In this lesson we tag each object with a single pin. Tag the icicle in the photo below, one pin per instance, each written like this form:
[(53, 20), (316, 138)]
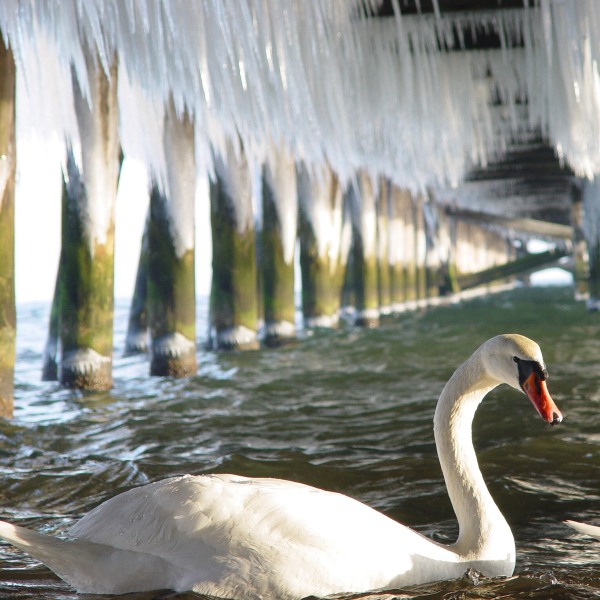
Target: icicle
[(334, 84)]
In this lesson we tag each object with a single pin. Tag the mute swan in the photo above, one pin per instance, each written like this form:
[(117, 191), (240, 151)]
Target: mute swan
[(591, 530), (235, 537)]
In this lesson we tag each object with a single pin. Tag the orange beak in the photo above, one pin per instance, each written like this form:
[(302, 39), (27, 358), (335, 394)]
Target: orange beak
[(537, 392)]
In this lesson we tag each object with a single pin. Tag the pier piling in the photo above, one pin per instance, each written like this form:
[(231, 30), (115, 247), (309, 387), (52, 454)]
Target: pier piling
[(233, 296), (136, 340), (325, 235), (362, 202), (8, 161), (171, 291), (278, 241), (89, 193)]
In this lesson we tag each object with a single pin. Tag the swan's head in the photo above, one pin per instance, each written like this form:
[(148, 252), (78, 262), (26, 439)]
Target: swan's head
[(518, 361)]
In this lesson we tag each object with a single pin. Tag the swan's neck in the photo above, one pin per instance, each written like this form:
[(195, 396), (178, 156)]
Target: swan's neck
[(482, 528)]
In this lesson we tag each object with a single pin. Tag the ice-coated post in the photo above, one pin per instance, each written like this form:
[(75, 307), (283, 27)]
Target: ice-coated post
[(581, 257), (8, 162), (446, 243), (136, 340), (433, 250), (384, 266), (50, 356), (398, 198), (325, 235), (233, 296), (87, 276), (420, 246), (591, 230), (410, 250), (171, 285), (278, 241), (361, 198)]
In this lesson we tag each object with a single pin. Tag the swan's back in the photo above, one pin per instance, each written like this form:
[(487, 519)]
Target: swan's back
[(227, 535)]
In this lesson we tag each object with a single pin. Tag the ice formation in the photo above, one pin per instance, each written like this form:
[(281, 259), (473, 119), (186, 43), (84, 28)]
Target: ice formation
[(181, 180), (280, 176), (391, 96)]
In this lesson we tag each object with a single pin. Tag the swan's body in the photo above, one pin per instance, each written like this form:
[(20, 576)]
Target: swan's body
[(235, 537), (591, 530)]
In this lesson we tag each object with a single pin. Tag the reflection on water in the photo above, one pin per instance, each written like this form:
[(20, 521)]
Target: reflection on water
[(349, 411)]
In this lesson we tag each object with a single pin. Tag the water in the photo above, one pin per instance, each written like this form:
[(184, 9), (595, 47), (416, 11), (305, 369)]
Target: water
[(349, 411)]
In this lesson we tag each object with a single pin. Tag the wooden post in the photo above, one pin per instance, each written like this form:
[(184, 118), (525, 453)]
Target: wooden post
[(384, 265), (324, 235), (465, 254), (278, 242), (171, 287), (233, 297), (136, 340), (8, 162), (420, 246), (433, 262), (447, 245), (411, 284), (361, 198), (89, 193), (589, 219), (581, 258), (397, 247), (50, 357)]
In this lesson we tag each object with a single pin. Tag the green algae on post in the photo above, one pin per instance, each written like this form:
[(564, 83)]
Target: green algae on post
[(233, 296), (362, 203), (87, 276), (171, 285), (8, 159), (325, 236), (396, 249), (384, 267), (278, 244)]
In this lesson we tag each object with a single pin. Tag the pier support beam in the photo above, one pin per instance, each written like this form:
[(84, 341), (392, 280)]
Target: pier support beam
[(398, 200), (361, 198), (518, 266), (384, 265), (446, 248), (171, 286), (591, 231), (433, 262), (89, 193), (8, 162), (581, 258), (411, 277), (233, 297), (420, 246), (136, 340), (278, 241), (50, 356), (325, 238)]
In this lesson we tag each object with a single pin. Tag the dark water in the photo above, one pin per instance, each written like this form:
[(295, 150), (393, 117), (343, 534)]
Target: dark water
[(349, 411)]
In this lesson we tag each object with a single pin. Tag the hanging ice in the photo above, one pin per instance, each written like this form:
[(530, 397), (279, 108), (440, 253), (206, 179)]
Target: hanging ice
[(392, 96)]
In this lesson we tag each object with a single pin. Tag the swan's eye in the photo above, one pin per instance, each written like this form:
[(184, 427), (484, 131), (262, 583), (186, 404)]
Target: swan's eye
[(527, 367)]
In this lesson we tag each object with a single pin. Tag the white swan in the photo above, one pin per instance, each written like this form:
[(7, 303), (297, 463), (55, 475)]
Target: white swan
[(235, 537), (591, 530)]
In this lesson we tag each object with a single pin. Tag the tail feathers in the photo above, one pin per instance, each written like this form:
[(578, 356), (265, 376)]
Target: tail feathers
[(584, 528), (89, 567)]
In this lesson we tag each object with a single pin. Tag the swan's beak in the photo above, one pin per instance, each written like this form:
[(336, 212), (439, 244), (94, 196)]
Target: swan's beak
[(535, 388)]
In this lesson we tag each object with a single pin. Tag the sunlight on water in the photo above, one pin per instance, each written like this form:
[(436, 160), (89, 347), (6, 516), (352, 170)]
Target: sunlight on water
[(348, 410)]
